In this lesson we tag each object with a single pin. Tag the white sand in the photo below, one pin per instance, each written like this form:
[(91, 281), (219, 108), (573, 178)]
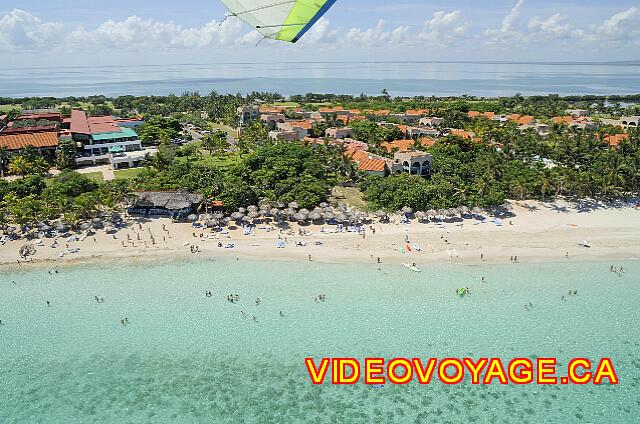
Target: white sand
[(538, 232)]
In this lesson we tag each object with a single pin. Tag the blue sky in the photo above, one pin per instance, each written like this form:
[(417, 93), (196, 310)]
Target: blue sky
[(73, 32)]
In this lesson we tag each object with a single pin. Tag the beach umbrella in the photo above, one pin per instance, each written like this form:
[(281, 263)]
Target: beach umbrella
[(61, 227), (226, 221), (315, 216), (342, 217), (242, 210), (236, 216), (407, 210), (304, 211), (111, 230), (245, 219), (342, 207), (329, 216), (192, 218), (254, 215), (290, 212), (282, 205), (323, 205), (293, 205), (432, 212), (85, 226), (213, 223), (252, 208), (115, 218), (507, 207), (299, 217), (11, 229), (420, 216), (476, 211), (218, 215)]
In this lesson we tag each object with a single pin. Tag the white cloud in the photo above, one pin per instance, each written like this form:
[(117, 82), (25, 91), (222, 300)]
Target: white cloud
[(514, 14), (376, 36), (22, 30), (555, 25), (148, 33), (507, 33), (621, 27), (321, 32), (443, 28)]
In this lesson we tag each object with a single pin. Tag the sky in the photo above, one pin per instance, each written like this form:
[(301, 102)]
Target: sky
[(62, 33)]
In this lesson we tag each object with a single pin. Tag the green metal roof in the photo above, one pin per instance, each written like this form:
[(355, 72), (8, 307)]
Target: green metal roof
[(125, 133)]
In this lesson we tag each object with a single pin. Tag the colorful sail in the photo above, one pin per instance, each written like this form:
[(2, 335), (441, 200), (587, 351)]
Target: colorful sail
[(284, 20)]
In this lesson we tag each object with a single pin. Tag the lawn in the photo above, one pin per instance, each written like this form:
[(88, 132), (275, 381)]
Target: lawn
[(95, 176), (7, 108), (352, 196), (128, 173)]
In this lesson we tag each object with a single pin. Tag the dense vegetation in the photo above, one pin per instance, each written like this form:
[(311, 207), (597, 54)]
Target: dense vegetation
[(508, 163), (567, 163)]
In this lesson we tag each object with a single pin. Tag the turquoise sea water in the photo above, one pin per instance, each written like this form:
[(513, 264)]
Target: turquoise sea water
[(399, 78), (186, 358)]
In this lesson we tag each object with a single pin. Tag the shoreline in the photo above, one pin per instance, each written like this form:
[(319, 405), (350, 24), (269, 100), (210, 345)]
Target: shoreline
[(537, 233)]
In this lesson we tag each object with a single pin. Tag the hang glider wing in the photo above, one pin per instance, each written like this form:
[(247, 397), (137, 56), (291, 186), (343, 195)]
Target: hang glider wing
[(284, 20)]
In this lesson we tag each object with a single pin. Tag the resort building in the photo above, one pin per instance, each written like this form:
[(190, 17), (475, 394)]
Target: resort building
[(412, 162), (576, 113), (175, 204), (248, 114), (630, 121), (99, 136), (280, 135), (272, 119), (339, 133), (301, 128), (46, 142), (431, 122)]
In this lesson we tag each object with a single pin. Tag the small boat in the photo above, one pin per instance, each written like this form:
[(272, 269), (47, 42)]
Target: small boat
[(585, 244), (412, 267)]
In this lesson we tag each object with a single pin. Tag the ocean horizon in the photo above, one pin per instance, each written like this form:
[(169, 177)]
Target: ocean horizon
[(188, 358), (488, 79)]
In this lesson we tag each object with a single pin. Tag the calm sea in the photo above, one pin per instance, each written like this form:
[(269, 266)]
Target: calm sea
[(186, 358), (404, 79)]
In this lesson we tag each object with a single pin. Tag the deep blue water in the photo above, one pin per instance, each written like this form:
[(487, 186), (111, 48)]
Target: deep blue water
[(406, 79)]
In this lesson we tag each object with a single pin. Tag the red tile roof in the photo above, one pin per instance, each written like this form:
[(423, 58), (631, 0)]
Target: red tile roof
[(372, 165), (81, 124), (614, 140), (20, 141)]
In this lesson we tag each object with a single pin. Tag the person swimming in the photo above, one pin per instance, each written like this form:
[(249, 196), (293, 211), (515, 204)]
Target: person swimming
[(48, 303), (281, 314)]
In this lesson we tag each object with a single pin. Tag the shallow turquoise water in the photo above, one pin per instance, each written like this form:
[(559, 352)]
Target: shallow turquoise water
[(185, 358)]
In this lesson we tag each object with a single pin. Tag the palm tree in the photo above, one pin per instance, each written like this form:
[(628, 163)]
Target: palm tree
[(19, 165)]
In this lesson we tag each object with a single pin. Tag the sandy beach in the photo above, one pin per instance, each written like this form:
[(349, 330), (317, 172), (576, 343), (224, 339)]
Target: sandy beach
[(537, 232)]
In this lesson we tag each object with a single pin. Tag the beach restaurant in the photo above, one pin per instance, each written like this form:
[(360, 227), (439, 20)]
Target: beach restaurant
[(175, 204)]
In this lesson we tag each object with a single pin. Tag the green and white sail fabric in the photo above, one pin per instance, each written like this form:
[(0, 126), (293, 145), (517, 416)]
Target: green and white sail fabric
[(280, 19)]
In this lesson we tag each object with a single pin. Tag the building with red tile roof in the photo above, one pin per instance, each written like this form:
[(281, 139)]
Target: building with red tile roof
[(614, 140), (43, 141)]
